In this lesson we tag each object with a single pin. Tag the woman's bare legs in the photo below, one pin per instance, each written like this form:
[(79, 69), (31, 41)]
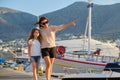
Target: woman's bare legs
[(52, 61), (48, 67)]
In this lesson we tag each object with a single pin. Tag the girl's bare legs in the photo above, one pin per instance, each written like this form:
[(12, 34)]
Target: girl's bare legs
[(37, 67), (48, 67), (34, 67)]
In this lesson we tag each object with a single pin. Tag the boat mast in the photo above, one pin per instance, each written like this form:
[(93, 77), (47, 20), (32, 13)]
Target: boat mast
[(89, 26)]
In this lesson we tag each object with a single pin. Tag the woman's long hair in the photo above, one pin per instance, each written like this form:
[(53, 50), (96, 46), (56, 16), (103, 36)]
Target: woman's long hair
[(40, 20), (31, 35)]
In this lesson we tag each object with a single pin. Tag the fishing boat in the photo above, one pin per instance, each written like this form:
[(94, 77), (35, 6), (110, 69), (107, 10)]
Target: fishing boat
[(86, 59)]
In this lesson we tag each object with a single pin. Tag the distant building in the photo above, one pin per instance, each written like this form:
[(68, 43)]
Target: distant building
[(73, 37)]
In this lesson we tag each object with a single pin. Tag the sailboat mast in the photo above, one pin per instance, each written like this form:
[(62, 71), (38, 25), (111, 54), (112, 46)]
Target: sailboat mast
[(89, 26)]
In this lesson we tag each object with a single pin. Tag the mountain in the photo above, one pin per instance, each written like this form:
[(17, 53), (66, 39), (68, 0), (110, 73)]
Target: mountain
[(15, 24), (105, 21)]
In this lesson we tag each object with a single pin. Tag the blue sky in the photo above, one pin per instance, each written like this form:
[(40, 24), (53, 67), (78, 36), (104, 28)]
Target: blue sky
[(38, 7)]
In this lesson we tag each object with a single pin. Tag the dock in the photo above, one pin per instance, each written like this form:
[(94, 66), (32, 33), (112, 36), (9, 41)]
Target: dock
[(10, 74)]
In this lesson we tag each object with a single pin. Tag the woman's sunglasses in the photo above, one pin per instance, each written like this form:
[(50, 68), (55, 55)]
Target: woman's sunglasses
[(44, 23)]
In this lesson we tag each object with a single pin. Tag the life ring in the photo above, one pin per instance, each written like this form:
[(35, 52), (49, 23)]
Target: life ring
[(60, 50)]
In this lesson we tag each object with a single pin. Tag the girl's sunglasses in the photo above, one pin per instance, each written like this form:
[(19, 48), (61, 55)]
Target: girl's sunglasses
[(44, 23)]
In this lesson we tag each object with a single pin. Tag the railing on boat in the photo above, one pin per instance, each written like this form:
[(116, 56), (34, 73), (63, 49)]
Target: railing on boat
[(96, 58)]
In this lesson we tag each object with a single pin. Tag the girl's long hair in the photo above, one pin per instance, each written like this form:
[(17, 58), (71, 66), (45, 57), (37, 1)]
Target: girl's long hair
[(31, 36)]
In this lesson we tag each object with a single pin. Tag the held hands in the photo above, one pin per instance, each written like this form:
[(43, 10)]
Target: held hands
[(31, 59)]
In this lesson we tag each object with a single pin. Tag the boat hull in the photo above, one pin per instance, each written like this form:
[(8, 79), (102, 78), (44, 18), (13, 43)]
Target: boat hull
[(70, 63)]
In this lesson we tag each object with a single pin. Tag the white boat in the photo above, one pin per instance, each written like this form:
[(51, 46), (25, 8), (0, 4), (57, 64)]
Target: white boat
[(74, 58)]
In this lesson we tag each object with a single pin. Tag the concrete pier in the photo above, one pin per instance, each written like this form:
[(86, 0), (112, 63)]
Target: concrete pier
[(10, 74)]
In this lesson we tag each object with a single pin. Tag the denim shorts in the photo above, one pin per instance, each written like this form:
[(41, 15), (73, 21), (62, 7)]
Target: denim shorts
[(36, 58)]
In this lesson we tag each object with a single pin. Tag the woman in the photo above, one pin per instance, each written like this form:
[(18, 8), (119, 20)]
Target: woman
[(48, 47), (34, 52)]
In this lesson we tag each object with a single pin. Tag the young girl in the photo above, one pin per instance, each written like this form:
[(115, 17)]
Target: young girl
[(34, 50)]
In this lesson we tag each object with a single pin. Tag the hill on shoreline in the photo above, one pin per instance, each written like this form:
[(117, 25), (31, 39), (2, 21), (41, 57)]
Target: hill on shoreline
[(16, 24)]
